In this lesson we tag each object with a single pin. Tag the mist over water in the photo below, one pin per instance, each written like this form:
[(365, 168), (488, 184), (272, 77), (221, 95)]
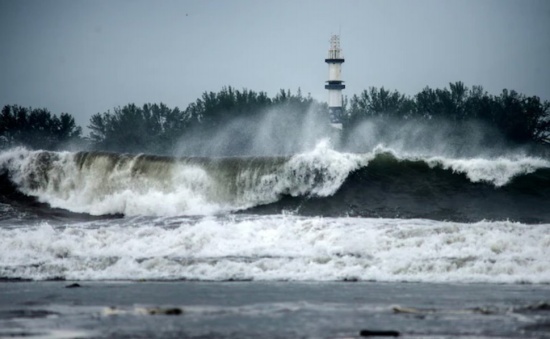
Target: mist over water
[(285, 161), (438, 137), (272, 132), (282, 131), (284, 197)]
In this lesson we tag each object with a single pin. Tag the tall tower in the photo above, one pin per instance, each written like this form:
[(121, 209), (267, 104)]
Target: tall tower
[(335, 84)]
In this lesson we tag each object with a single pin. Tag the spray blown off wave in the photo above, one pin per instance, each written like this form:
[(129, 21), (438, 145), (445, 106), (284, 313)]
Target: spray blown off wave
[(322, 182), (278, 248), (106, 183)]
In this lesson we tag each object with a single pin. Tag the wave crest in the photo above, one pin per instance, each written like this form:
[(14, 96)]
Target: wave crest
[(323, 181)]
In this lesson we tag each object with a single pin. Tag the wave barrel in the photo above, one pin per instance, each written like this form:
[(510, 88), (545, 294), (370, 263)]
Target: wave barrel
[(335, 85)]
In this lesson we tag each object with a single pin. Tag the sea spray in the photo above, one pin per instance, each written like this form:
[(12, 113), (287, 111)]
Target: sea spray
[(323, 181), (107, 183)]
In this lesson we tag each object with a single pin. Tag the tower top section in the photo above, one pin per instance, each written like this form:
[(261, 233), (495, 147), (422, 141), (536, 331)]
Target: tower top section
[(335, 53)]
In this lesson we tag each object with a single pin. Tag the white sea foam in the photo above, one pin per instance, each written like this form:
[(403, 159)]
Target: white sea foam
[(111, 184), (279, 248), (320, 172), (498, 171), (107, 186)]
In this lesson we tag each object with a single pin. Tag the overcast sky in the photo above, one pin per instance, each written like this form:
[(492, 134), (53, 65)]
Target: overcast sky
[(84, 57)]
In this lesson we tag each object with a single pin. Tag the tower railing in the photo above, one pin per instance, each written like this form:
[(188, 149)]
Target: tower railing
[(335, 52)]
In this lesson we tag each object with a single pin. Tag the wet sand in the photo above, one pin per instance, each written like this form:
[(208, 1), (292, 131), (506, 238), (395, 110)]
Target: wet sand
[(182, 309)]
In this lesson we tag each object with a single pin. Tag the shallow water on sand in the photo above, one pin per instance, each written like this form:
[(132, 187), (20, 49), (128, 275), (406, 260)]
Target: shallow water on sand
[(272, 309)]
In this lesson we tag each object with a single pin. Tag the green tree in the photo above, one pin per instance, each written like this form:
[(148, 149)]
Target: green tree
[(151, 128), (37, 128), (379, 103), (522, 118)]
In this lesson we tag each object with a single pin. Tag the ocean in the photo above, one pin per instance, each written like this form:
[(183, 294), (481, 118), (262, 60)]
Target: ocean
[(313, 244)]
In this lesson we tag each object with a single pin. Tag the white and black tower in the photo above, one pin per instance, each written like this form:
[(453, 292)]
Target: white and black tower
[(335, 85)]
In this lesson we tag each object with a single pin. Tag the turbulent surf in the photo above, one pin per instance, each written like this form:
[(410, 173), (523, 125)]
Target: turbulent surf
[(322, 182), (318, 215)]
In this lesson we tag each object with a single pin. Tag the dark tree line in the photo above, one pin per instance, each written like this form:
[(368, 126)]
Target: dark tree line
[(36, 128), (150, 128), (214, 110), (156, 128), (521, 119)]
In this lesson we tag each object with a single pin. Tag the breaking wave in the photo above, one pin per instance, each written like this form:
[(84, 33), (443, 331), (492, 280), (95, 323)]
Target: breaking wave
[(323, 182)]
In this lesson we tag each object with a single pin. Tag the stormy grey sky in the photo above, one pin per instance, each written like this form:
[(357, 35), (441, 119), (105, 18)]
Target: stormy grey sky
[(84, 57)]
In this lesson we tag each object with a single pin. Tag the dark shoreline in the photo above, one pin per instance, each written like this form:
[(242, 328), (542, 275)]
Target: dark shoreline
[(108, 309), (236, 281)]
